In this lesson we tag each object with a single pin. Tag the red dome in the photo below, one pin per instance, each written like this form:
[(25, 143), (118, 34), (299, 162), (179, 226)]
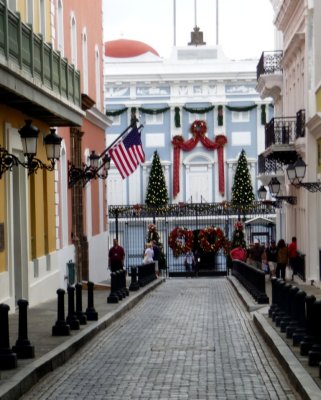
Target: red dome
[(125, 48)]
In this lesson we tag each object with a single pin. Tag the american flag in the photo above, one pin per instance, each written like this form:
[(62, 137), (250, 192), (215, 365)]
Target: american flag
[(128, 153)]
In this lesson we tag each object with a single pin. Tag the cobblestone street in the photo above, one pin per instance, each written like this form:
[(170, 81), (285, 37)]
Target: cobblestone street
[(189, 339)]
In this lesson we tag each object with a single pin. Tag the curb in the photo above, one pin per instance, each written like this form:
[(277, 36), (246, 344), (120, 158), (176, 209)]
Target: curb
[(21, 382), (299, 377)]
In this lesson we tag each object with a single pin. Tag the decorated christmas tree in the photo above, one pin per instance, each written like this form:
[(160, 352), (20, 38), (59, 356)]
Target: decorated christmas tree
[(242, 190), (157, 194)]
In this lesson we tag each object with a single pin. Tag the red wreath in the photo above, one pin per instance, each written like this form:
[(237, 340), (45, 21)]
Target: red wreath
[(181, 241), (188, 145), (199, 127), (212, 239)]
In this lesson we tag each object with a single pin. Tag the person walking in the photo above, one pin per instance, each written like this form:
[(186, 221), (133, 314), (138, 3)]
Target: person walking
[(256, 253), (282, 259), (116, 257), (156, 256), (271, 257), (293, 256), (189, 263)]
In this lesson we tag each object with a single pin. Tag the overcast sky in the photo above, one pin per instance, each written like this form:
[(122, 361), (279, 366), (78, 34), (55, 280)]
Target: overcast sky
[(245, 26)]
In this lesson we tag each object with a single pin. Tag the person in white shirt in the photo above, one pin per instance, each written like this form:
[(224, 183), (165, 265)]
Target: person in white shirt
[(189, 262), (149, 254)]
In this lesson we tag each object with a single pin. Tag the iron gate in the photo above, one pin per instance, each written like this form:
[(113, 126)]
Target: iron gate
[(129, 224)]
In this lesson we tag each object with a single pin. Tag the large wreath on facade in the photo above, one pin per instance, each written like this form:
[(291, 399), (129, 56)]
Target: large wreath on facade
[(212, 239), (181, 241), (199, 127)]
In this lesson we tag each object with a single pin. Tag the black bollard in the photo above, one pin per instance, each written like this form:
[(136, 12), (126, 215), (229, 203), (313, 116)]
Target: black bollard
[(61, 328), (124, 289), (306, 339), (8, 359), (81, 316), (113, 296), (133, 283), (72, 319), (91, 313), (23, 348)]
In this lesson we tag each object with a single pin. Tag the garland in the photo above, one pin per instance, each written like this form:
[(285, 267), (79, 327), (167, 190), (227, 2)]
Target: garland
[(181, 241), (263, 114), (153, 111), (198, 110), (177, 118), (188, 145), (241, 109), (116, 112), (212, 239), (220, 115)]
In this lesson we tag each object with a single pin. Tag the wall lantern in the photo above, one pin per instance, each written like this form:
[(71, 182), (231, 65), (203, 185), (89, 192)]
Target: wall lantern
[(29, 138), (274, 187), (296, 173), (97, 169)]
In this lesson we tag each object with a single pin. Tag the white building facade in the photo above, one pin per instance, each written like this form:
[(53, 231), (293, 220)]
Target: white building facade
[(196, 83)]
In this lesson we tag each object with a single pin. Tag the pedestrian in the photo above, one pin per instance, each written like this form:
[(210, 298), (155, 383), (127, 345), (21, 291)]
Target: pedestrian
[(271, 257), (116, 257), (149, 253), (189, 263), (256, 253), (156, 256), (282, 259), (293, 256), (238, 253)]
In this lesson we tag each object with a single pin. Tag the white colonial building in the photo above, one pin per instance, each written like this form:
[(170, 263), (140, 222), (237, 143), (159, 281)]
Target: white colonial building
[(196, 82)]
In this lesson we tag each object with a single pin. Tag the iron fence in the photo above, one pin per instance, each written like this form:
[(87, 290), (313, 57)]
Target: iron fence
[(129, 224)]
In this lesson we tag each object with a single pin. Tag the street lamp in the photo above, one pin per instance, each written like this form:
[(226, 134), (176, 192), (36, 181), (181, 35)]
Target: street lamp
[(97, 169), (29, 138), (274, 187), (296, 173)]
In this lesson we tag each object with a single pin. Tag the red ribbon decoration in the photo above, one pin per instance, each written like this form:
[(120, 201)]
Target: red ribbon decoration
[(188, 145)]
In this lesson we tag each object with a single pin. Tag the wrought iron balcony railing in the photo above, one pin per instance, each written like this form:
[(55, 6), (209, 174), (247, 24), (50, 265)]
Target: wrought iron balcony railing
[(300, 124), (268, 166), (280, 130), (269, 63), (285, 130), (19, 45)]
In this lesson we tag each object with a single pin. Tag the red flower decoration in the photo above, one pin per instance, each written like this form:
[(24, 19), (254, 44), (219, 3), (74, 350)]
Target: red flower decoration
[(180, 241), (212, 239), (199, 127)]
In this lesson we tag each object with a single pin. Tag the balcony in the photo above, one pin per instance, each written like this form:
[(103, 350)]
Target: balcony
[(281, 134), (269, 74), (34, 78)]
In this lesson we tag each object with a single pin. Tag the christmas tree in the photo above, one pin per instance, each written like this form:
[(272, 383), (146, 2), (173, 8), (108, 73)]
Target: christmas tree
[(157, 194), (242, 190)]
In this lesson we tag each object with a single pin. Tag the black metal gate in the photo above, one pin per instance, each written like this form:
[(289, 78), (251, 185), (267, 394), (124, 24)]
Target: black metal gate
[(129, 224)]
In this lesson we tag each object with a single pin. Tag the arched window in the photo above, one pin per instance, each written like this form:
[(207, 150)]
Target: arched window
[(73, 40), (84, 61), (60, 27), (97, 75)]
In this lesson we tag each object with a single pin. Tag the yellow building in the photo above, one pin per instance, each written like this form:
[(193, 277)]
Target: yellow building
[(36, 84)]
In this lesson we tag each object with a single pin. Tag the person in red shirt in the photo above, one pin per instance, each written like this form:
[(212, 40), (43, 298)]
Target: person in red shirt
[(293, 255), (116, 257), (238, 253)]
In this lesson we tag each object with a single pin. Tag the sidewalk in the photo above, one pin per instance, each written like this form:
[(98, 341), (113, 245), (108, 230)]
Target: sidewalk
[(53, 351), (305, 378)]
